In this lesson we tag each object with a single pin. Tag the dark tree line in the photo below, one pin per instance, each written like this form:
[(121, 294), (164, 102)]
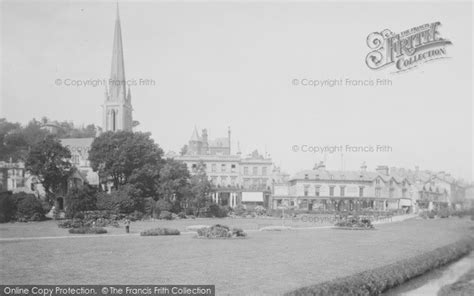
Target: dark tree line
[(131, 161)]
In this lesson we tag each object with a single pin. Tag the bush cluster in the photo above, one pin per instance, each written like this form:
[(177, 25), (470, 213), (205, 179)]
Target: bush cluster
[(160, 231), (165, 215), (20, 207), (88, 230), (379, 280), (356, 223), (220, 231)]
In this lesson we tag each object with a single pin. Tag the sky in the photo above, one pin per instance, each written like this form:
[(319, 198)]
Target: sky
[(234, 64)]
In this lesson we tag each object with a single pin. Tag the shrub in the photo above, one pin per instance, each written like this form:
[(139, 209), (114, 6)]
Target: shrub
[(126, 200), (220, 231), (7, 207), (27, 205), (239, 210), (160, 206), (217, 211), (260, 210), (165, 215), (88, 230), (80, 199), (135, 216), (238, 232), (182, 215), (355, 223), (105, 202), (75, 223), (444, 213), (379, 280), (424, 215), (160, 231), (431, 214)]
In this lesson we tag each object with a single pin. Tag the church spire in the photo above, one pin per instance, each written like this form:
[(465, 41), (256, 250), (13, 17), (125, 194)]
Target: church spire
[(117, 108), (117, 85)]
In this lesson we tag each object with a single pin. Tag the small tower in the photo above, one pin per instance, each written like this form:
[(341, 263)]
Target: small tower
[(228, 132)]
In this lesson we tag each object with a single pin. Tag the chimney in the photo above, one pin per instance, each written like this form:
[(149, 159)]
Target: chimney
[(363, 167), (382, 169)]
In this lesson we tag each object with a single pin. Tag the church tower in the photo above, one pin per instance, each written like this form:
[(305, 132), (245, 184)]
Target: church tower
[(117, 108)]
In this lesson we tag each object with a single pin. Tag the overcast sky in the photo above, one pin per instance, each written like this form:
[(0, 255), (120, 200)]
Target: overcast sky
[(233, 64)]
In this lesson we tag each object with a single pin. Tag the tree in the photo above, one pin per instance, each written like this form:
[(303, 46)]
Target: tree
[(8, 140), (200, 189), (49, 160), (80, 199), (127, 157), (173, 183), (184, 150)]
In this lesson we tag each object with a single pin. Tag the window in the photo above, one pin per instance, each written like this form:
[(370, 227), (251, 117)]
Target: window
[(306, 190), (377, 192), (404, 193), (255, 171), (361, 191), (264, 171), (213, 167), (331, 191), (316, 189), (343, 190), (233, 180), (232, 168), (246, 170), (223, 167), (194, 166), (223, 180), (391, 192), (306, 176), (377, 181)]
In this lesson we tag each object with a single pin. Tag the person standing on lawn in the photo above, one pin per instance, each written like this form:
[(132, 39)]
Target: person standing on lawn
[(127, 226)]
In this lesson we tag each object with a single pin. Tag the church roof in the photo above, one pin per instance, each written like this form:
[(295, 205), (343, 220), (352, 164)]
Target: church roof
[(195, 135), (117, 89)]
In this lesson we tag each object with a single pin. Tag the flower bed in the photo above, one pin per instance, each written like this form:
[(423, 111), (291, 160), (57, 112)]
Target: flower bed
[(88, 230), (220, 231), (160, 231), (355, 223), (379, 280)]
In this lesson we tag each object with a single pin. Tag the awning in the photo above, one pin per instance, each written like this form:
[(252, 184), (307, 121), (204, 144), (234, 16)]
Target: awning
[(405, 202), (252, 196)]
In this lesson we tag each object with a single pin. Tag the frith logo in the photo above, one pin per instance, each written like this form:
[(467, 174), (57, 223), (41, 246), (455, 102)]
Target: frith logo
[(407, 49)]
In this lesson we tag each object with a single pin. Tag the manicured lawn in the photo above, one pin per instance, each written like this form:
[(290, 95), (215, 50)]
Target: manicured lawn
[(266, 263)]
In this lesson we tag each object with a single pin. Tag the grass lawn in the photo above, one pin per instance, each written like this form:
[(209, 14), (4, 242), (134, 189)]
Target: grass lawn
[(266, 263)]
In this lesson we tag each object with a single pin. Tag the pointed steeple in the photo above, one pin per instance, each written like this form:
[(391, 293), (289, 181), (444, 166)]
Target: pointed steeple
[(195, 135), (117, 87), (117, 108)]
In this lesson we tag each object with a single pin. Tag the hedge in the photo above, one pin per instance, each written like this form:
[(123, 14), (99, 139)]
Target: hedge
[(379, 280), (160, 231), (88, 230), (220, 231)]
